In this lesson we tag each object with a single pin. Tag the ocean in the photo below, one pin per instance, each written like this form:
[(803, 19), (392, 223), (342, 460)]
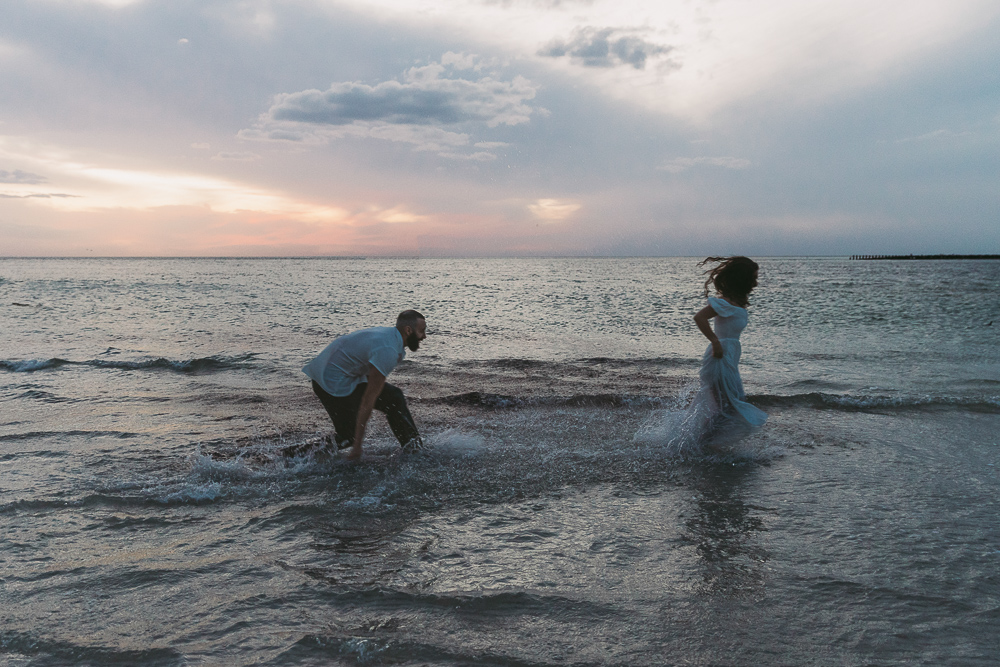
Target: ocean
[(146, 517)]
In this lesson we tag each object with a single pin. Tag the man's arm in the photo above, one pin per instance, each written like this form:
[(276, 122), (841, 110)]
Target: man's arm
[(376, 381)]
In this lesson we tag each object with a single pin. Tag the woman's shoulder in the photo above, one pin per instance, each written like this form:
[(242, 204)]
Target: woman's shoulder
[(723, 307)]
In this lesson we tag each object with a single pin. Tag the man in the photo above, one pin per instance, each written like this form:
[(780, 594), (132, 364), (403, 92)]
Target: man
[(349, 379)]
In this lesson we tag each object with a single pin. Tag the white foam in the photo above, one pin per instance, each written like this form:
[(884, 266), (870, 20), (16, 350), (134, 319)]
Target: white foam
[(455, 442), (374, 498), (693, 434), (675, 433), (235, 468), (195, 493), (209, 479), (29, 365), (365, 649)]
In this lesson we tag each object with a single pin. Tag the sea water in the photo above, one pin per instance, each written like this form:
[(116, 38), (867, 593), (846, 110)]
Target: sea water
[(146, 517)]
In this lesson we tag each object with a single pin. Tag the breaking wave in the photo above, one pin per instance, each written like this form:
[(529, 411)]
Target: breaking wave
[(199, 365), (506, 401), (860, 403), (604, 362), (815, 400)]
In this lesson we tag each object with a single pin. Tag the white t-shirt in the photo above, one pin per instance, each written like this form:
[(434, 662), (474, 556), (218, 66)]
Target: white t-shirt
[(343, 365)]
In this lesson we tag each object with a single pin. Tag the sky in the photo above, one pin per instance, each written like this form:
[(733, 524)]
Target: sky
[(499, 127)]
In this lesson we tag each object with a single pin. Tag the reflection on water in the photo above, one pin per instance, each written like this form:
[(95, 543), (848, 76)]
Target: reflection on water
[(723, 530), (351, 555)]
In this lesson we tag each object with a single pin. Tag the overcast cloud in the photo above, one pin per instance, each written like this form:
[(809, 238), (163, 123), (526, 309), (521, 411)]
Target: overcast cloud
[(605, 47), (20, 177), (424, 98), (416, 110), (430, 127), (679, 164)]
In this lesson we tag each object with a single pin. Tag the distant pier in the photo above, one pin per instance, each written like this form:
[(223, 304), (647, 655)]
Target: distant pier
[(925, 256)]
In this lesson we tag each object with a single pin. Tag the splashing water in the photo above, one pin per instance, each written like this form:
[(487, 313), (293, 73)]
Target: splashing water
[(700, 431), (455, 442)]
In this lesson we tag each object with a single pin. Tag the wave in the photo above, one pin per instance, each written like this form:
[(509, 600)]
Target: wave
[(35, 505), (52, 651), (604, 362), (816, 400), (823, 401), (186, 494), (45, 396), (199, 365), (29, 365), (38, 435), (504, 401), (503, 601)]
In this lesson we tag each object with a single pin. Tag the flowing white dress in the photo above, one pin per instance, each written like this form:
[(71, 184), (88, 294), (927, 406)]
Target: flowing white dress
[(721, 394), (719, 413)]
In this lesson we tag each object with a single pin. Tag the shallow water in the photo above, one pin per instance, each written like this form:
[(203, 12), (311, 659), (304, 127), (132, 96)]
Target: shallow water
[(146, 520)]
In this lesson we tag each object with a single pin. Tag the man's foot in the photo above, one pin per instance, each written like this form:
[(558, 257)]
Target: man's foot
[(414, 445)]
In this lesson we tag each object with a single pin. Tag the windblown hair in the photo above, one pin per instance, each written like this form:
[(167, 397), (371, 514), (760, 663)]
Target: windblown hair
[(732, 277), (409, 318)]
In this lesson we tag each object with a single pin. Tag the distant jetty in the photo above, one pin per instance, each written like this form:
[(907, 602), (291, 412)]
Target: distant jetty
[(925, 256)]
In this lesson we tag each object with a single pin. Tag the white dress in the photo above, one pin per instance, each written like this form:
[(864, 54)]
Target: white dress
[(721, 394), (719, 412)]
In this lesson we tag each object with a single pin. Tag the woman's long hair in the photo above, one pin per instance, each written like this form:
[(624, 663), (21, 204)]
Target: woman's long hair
[(733, 277)]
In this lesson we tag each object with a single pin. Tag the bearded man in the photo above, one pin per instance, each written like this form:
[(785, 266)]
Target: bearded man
[(349, 379)]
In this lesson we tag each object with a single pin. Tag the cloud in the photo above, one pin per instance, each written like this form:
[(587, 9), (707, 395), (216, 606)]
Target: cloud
[(479, 156), (115, 3), (540, 4), (201, 231), (679, 164), (416, 110), (422, 137), (936, 134), (795, 84), (38, 195), (424, 99), (237, 157), (21, 177), (553, 210), (399, 215), (461, 60), (605, 47), (87, 186)]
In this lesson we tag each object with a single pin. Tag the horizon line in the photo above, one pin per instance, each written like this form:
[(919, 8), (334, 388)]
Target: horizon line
[(365, 257)]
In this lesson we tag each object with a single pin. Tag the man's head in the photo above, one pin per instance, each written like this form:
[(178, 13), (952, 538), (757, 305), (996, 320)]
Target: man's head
[(412, 327)]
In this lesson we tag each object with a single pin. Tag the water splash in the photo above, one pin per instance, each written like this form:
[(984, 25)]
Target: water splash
[(700, 431), (455, 442)]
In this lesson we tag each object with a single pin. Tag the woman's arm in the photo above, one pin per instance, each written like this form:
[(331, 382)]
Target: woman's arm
[(701, 318)]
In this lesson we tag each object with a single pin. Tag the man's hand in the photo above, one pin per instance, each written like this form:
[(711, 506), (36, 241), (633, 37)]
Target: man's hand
[(376, 381)]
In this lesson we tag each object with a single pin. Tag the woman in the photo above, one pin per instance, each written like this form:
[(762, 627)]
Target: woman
[(721, 394)]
